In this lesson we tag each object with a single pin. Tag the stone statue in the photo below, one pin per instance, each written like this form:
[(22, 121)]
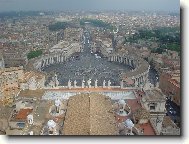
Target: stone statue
[(104, 84), (157, 85), (57, 83), (121, 84), (83, 83), (56, 80), (69, 84), (75, 83), (109, 83), (136, 85), (89, 83), (30, 119), (96, 81), (51, 84)]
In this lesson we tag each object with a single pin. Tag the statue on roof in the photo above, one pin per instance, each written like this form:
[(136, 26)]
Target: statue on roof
[(83, 83), (121, 84), (69, 84), (104, 84), (75, 83), (56, 80), (89, 83), (109, 83), (96, 81)]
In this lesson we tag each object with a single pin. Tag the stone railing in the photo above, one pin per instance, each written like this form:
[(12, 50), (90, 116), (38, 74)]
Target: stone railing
[(87, 84), (58, 94)]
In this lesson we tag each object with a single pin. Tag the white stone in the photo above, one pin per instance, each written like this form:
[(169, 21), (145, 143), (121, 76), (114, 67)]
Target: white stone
[(129, 124), (51, 124)]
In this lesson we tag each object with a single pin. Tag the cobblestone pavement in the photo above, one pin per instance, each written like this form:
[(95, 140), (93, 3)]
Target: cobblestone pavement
[(153, 76), (86, 66)]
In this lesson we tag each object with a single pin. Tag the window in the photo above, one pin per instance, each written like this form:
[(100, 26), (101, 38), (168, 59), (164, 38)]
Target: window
[(152, 107), (21, 124)]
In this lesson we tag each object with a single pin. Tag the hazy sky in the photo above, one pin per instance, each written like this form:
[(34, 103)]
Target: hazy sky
[(154, 5)]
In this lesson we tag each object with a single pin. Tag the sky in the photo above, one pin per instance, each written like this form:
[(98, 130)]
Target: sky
[(133, 5)]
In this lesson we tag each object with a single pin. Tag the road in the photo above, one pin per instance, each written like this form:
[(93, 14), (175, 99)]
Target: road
[(173, 111), (153, 76)]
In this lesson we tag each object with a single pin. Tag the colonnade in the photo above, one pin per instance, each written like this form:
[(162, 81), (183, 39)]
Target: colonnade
[(140, 79), (53, 59), (123, 59), (140, 71)]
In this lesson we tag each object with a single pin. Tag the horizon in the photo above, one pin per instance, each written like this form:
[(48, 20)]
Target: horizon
[(90, 5)]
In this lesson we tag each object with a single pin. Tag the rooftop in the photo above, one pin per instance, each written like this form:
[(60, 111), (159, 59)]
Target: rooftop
[(102, 121), (28, 75), (141, 113), (32, 93), (77, 116), (22, 114), (10, 69), (175, 81), (41, 112), (154, 95), (90, 114), (148, 129), (168, 122)]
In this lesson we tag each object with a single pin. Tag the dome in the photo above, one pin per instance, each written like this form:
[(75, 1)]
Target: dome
[(122, 102), (129, 123), (31, 132), (51, 124), (30, 116), (57, 102)]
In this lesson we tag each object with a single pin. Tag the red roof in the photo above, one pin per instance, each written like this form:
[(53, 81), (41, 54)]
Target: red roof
[(23, 113), (133, 104), (148, 129), (175, 82)]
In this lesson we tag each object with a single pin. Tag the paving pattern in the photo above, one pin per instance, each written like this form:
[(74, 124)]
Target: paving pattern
[(53, 95), (153, 76)]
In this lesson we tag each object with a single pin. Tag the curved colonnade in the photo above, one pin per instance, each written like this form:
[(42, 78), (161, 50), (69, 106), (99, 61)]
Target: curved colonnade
[(54, 58), (139, 73)]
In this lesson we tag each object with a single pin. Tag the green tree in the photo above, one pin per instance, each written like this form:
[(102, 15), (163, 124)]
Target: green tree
[(33, 54), (58, 26)]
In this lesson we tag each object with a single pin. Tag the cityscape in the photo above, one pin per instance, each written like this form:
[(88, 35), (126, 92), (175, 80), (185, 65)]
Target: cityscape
[(90, 72)]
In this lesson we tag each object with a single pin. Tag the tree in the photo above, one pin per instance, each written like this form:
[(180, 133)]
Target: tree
[(34, 54), (58, 26)]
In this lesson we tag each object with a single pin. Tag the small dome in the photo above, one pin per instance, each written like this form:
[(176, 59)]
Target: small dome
[(129, 123), (122, 102), (57, 102), (30, 116), (31, 132), (51, 124)]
